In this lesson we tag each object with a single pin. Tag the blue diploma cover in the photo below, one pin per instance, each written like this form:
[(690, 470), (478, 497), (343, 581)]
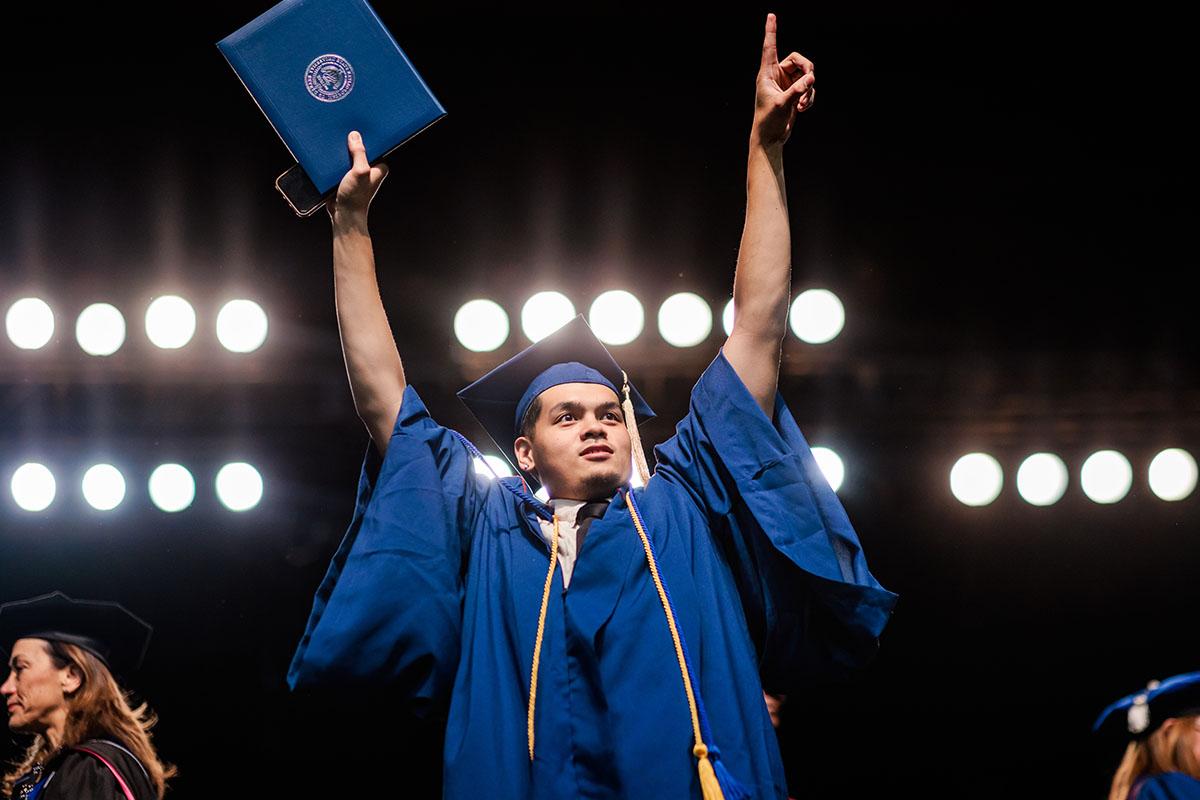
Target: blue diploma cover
[(319, 69)]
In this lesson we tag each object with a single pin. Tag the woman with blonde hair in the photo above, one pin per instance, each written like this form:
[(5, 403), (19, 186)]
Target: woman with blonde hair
[(88, 740), (1162, 723)]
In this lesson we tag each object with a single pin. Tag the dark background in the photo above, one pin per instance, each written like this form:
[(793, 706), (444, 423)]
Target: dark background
[(1003, 200)]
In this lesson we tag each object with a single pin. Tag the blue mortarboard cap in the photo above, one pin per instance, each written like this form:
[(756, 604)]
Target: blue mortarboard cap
[(1139, 714), (572, 354), (107, 630)]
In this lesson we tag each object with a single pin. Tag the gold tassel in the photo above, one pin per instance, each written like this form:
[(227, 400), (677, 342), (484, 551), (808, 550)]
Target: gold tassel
[(710, 787), (635, 439)]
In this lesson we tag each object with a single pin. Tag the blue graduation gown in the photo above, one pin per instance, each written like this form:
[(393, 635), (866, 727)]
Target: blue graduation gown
[(1167, 786), (438, 584)]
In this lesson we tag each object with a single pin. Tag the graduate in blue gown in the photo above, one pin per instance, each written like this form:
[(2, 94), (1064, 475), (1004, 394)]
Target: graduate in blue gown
[(1161, 724), (612, 642)]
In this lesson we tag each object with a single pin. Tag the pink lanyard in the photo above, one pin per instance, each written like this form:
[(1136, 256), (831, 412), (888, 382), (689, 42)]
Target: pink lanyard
[(112, 769)]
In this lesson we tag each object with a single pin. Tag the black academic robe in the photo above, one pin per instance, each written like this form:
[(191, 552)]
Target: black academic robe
[(75, 775)]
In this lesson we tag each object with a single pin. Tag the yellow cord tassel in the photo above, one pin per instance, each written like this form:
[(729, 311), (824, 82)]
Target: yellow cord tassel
[(710, 788), (635, 439), (541, 629)]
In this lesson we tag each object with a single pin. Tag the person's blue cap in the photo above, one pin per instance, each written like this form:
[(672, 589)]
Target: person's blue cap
[(1138, 715), (572, 354), (107, 630)]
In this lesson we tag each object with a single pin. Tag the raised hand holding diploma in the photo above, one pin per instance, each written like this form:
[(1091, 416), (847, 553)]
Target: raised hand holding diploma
[(320, 68), (358, 185)]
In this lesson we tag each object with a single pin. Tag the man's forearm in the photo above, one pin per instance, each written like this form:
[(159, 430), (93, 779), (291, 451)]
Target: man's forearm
[(372, 361), (762, 282)]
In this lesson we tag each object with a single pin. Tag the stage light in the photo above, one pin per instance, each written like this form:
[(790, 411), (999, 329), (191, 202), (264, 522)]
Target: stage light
[(1173, 474), (239, 486), (831, 466), (635, 478), (172, 487), (499, 467), (241, 326), (1042, 479), (1106, 476), (30, 323), (727, 317), (817, 316), (976, 479), (684, 319), (170, 322), (33, 487), (616, 317), (103, 487), (544, 313), (481, 326), (100, 329)]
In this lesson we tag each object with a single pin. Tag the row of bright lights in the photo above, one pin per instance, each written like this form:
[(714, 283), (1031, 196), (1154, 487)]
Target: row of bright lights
[(170, 324), (830, 463), (171, 487), (1105, 477), (975, 480), (617, 317)]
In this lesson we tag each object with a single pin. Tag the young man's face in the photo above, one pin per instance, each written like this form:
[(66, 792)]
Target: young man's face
[(580, 446)]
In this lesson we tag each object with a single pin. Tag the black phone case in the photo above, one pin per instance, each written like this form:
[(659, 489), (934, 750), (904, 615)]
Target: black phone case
[(300, 192)]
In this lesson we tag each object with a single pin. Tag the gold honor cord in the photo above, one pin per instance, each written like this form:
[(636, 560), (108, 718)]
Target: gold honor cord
[(709, 786), (541, 629)]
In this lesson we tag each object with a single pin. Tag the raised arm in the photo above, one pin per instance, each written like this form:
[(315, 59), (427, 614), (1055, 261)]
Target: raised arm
[(372, 361), (762, 283)]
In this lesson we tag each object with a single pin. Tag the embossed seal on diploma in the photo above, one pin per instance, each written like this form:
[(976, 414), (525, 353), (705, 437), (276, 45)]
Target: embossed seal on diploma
[(329, 78)]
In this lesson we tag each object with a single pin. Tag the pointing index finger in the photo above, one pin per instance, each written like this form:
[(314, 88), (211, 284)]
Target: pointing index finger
[(770, 56)]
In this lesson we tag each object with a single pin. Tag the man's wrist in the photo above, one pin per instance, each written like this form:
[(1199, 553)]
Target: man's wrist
[(773, 150), (346, 221), (771, 153)]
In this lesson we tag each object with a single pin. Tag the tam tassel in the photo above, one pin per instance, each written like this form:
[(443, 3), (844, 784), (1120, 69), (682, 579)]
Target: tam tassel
[(635, 438)]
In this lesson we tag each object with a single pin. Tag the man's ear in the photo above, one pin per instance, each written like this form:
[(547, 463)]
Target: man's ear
[(523, 449)]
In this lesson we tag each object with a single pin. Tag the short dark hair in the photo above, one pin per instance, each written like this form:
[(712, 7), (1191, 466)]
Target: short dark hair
[(529, 421)]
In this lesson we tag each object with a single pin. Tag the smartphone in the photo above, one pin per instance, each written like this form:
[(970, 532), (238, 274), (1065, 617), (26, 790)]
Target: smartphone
[(300, 192)]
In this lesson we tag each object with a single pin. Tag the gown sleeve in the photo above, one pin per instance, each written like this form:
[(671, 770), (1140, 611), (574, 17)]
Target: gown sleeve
[(813, 609), (389, 610)]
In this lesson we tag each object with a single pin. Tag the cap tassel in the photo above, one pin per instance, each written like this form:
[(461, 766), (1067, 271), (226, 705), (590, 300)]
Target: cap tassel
[(635, 438)]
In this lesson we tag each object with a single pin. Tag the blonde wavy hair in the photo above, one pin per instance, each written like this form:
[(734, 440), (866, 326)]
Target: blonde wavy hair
[(98, 709), (1171, 748)]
